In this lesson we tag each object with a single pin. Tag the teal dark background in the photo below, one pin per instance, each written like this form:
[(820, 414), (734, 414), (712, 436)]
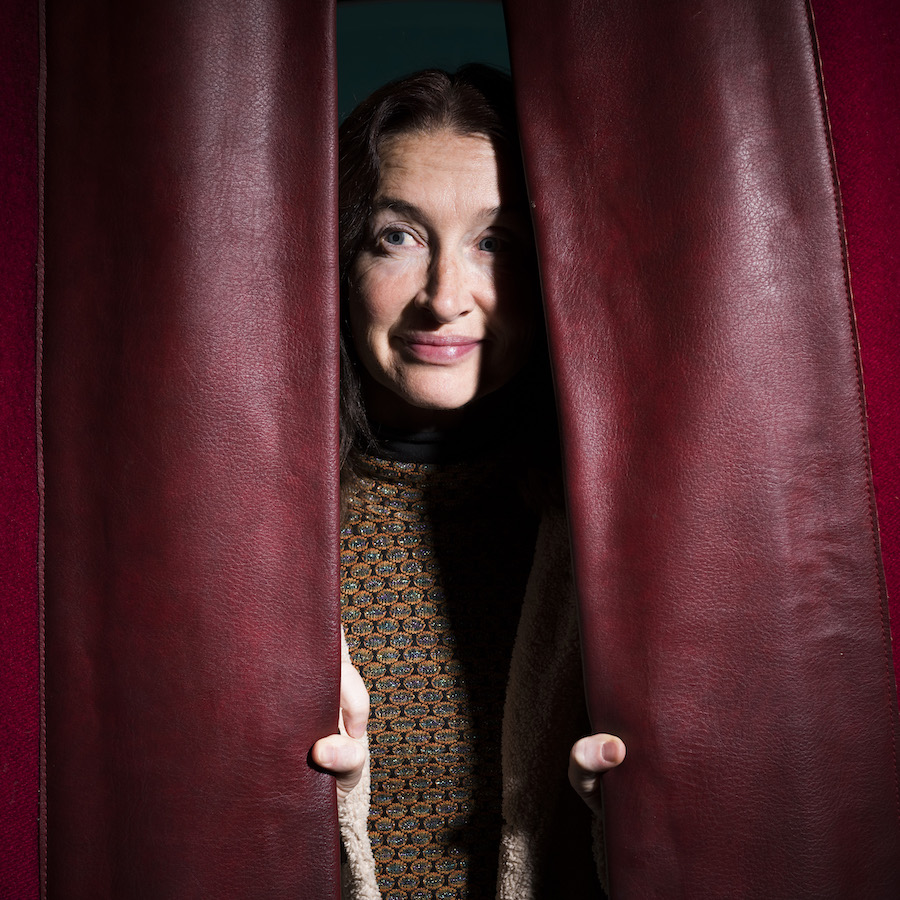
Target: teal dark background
[(380, 41)]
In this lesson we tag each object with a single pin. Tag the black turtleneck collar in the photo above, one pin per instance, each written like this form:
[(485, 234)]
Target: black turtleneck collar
[(485, 430)]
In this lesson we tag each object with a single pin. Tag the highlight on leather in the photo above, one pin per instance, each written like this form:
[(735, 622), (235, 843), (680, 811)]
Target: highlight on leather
[(734, 620)]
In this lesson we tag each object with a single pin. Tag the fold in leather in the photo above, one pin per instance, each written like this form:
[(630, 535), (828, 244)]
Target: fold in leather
[(189, 408), (734, 621)]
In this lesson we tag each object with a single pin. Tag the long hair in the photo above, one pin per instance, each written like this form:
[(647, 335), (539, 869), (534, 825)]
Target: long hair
[(475, 100)]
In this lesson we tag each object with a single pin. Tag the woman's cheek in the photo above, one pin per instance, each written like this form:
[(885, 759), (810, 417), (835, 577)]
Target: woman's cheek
[(387, 288)]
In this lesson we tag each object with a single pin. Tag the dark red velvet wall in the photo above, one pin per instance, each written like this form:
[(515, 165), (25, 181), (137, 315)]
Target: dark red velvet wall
[(19, 66)]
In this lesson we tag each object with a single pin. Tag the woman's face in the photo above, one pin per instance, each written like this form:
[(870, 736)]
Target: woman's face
[(442, 301)]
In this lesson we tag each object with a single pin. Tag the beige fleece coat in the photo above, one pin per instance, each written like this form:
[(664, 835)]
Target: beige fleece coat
[(543, 715)]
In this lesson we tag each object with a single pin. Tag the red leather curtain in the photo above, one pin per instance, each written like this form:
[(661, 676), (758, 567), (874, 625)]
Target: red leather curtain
[(161, 809), (734, 616), (189, 411)]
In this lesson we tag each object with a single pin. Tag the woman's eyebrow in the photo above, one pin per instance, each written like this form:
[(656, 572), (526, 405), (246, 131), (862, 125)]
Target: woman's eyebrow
[(399, 206), (511, 213), (405, 208)]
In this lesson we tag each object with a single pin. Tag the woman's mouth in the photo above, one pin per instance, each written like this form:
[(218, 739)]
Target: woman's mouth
[(438, 349)]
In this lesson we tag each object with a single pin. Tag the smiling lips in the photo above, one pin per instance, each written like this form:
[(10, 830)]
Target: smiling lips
[(438, 349)]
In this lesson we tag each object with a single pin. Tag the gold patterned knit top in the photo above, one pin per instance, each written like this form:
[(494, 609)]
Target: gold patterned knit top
[(434, 561)]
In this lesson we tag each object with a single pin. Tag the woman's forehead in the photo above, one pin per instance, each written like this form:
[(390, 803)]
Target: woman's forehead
[(430, 164), (429, 148)]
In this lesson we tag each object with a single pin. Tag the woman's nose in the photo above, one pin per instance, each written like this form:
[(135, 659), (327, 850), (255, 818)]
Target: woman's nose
[(448, 292)]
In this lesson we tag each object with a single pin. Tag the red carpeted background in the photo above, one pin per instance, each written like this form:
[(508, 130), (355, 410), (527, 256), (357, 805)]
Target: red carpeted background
[(860, 49)]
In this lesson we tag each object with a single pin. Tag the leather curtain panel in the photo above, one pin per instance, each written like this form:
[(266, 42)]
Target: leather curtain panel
[(734, 616), (190, 434)]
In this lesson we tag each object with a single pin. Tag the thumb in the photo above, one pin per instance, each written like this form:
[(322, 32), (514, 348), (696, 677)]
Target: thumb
[(589, 759)]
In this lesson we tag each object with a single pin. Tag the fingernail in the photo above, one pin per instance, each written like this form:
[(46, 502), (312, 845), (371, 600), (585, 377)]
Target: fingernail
[(326, 756), (610, 751)]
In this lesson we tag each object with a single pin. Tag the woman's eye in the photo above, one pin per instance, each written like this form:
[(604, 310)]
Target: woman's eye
[(395, 238), (490, 244)]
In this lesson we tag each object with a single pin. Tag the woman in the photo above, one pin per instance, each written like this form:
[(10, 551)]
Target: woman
[(447, 453)]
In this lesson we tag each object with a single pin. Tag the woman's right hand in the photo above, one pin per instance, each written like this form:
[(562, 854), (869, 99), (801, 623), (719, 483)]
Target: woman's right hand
[(344, 755)]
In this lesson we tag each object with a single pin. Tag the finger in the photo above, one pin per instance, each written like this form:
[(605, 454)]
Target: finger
[(354, 701), (343, 757), (589, 759)]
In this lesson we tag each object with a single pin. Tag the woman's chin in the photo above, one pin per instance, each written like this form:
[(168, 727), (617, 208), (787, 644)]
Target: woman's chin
[(420, 410), (417, 403), (434, 412)]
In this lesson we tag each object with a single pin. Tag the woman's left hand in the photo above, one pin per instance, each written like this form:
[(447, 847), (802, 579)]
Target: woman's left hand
[(589, 759)]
